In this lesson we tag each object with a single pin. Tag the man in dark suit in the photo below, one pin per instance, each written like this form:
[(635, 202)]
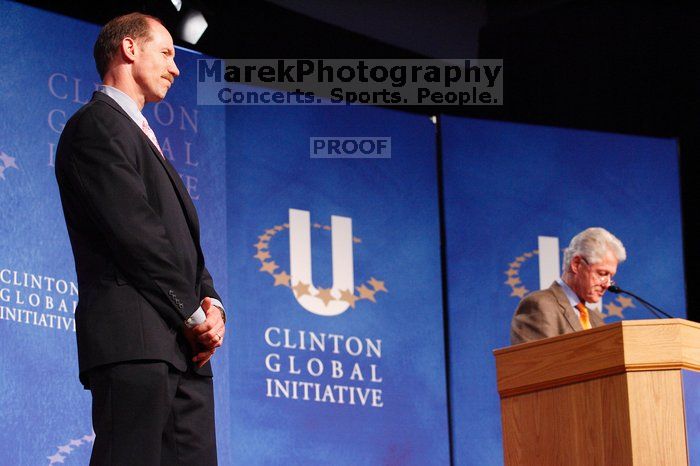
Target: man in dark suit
[(590, 262), (149, 318)]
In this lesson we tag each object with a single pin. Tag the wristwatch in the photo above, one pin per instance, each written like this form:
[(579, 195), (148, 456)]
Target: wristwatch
[(223, 313)]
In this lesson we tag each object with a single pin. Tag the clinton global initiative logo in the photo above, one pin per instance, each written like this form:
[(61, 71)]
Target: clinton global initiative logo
[(6, 162), (314, 297), (521, 273)]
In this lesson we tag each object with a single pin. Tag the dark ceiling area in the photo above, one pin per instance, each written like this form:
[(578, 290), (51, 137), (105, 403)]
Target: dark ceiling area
[(627, 67), (623, 67), (241, 29)]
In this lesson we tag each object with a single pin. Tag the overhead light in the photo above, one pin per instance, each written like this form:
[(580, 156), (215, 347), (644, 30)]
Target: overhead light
[(193, 26), (177, 4)]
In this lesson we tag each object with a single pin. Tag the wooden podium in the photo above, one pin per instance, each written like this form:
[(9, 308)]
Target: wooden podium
[(607, 396)]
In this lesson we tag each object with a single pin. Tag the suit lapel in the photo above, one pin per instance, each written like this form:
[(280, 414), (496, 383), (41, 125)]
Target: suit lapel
[(596, 317), (186, 203), (565, 307), (182, 193)]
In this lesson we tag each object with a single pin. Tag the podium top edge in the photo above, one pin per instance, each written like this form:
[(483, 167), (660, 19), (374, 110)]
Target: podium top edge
[(605, 328)]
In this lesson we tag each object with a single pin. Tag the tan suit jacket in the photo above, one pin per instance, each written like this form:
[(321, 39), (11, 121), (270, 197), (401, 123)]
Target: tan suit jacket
[(547, 313)]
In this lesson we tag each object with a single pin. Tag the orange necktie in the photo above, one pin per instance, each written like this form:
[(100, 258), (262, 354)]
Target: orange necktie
[(583, 316)]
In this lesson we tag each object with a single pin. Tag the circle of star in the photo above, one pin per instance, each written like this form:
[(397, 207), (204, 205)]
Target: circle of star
[(366, 291)]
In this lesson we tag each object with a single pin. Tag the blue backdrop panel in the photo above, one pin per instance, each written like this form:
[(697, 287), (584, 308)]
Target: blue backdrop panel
[(691, 398), (396, 298), (48, 73), (506, 185)]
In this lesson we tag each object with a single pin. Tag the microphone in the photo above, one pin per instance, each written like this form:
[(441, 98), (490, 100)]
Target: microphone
[(653, 309)]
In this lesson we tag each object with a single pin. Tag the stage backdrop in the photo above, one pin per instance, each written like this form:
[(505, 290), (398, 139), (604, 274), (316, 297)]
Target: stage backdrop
[(47, 74), (514, 197), (336, 283), (335, 351)]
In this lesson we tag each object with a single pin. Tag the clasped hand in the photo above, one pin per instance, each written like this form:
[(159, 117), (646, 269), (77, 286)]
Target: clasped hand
[(206, 337)]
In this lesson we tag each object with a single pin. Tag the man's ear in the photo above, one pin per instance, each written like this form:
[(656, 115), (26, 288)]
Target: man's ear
[(128, 49), (575, 264)]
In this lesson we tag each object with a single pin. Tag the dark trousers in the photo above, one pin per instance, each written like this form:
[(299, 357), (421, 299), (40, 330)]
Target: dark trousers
[(148, 413)]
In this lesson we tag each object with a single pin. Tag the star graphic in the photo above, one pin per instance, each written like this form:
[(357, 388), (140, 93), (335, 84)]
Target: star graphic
[(260, 245), (324, 294), (75, 442), (269, 267), (515, 265), (89, 438), (511, 272), (377, 285), (317, 225), (301, 289), (286, 225), (281, 278), (262, 255), (270, 231), (625, 301), (279, 227), (348, 297), (512, 281), (57, 458), (264, 237), (8, 161), (326, 227), (519, 292), (356, 240), (366, 293), (520, 259), (614, 310), (65, 449), (528, 254)]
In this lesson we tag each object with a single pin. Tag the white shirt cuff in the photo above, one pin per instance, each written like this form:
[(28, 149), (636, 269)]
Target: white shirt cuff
[(216, 302), (197, 318)]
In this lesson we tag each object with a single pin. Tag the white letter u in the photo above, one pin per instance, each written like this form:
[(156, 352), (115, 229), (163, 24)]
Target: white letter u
[(300, 260)]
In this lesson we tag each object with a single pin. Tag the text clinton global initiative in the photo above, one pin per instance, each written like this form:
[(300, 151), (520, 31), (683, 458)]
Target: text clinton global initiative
[(323, 367)]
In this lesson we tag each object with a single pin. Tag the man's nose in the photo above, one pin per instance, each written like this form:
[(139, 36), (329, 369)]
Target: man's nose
[(172, 69)]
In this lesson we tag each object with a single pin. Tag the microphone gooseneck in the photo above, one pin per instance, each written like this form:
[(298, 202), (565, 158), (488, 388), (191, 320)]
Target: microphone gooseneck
[(653, 309)]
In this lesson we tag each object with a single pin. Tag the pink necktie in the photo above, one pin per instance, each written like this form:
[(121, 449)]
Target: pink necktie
[(151, 135)]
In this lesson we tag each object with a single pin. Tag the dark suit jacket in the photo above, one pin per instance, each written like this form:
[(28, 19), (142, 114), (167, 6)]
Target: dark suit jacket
[(547, 313), (135, 238)]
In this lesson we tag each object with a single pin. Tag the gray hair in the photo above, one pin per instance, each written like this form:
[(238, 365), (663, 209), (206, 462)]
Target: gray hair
[(592, 244)]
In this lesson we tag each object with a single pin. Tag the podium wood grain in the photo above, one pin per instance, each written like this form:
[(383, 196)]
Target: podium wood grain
[(606, 396)]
